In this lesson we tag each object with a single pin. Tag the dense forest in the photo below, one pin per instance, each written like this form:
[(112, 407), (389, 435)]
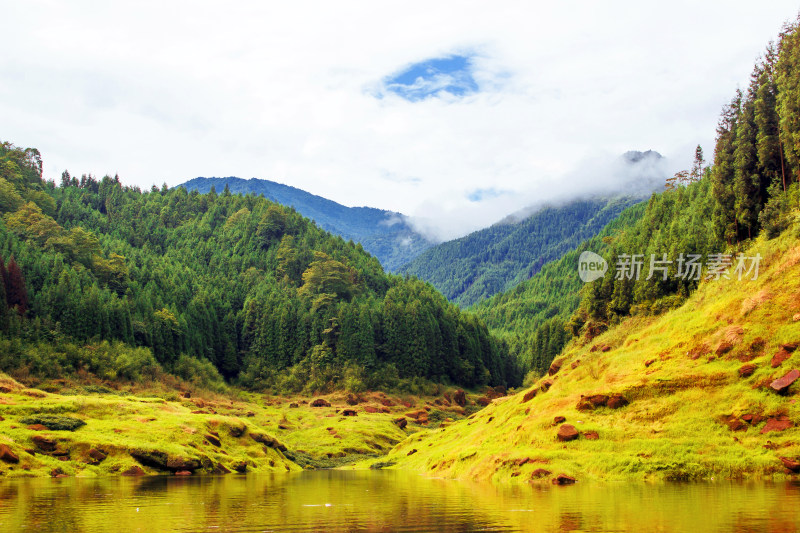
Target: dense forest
[(709, 212), (495, 259), (385, 234), (108, 279)]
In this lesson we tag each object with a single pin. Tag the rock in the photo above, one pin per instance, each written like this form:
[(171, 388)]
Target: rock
[(555, 366), (284, 426), (529, 395), (153, 459), (616, 401), (44, 443), (734, 423), (237, 431), (97, 456), (563, 479), (412, 452), (540, 472), (559, 420), (386, 402), (781, 356), (483, 400), (723, 347), (133, 471), (178, 464), (567, 432), (187, 394), (605, 348), (240, 467), (220, 468), (269, 441), (791, 464), (796, 317), (416, 415), (319, 402), (779, 423), (752, 419), (401, 422), (460, 398), (351, 400), (7, 456), (349, 412), (781, 385), (293, 405), (790, 346), (37, 427), (747, 370), (522, 461), (370, 409), (649, 362), (598, 400), (213, 440), (545, 385), (591, 435), (183, 473)]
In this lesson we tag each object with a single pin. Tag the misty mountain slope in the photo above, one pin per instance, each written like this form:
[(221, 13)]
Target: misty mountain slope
[(384, 234), (495, 259)]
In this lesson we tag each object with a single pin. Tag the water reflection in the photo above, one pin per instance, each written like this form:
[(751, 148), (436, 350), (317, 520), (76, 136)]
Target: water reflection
[(388, 501)]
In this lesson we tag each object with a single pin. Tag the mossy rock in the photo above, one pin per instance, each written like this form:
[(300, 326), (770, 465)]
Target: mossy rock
[(54, 422)]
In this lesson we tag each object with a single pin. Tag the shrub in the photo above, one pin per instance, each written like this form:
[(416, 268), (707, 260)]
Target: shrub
[(54, 422)]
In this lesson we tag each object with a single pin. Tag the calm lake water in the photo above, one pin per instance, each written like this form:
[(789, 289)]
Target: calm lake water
[(388, 501)]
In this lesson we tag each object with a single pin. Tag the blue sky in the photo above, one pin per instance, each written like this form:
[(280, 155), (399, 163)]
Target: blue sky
[(433, 77), (453, 112)]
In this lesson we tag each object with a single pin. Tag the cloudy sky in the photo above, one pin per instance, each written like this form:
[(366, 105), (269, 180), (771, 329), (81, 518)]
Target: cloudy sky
[(453, 112)]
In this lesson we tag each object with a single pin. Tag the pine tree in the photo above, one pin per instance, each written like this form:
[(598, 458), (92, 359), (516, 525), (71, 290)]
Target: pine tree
[(16, 293), (724, 169)]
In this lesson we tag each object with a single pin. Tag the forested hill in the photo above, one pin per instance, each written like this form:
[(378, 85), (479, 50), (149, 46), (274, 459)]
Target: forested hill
[(495, 259), (384, 234), (182, 279)]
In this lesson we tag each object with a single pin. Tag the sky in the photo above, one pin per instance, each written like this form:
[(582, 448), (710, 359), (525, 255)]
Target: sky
[(454, 113)]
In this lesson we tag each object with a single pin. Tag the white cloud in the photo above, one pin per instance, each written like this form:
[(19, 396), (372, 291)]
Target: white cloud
[(166, 91)]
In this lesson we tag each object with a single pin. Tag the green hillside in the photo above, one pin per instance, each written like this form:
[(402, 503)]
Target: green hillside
[(114, 281)]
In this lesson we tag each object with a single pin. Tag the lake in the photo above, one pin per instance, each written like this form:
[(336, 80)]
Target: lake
[(331, 500)]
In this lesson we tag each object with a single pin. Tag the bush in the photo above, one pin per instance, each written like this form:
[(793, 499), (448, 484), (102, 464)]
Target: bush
[(54, 422), (199, 372)]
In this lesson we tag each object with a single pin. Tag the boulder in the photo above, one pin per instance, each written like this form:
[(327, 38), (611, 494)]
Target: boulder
[(591, 435), (371, 409), (790, 346), (779, 423), (351, 400), (240, 467), (386, 402), (153, 459), (319, 402), (133, 471), (752, 419), (605, 348), (293, 405), (236, 430), (460, 398), (180, 464), (412, 452), (349, 412), (559, 420), (796, 317), (540, 472), (723, 347), (791, 464), (616, 401), (555, 366), (212, 439), (598, 400), (779, 357), (734, 423), (747, 370), (483, 400), (7, 456), (268, 441), (183, 473), (563, 479), (401, 422), (45, 444), (782, 384), (567, 432), (529, 395), (545, 385)]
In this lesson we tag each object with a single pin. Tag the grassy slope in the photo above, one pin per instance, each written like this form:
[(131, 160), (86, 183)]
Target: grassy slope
[(673, 427), (117, 423)]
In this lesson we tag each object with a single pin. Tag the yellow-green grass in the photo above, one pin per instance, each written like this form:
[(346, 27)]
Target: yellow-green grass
[(674, 426), (159, 420)]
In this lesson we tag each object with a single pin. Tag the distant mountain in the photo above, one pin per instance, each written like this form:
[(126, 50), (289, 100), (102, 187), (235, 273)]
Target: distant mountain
[(385, 234), (495, 259)]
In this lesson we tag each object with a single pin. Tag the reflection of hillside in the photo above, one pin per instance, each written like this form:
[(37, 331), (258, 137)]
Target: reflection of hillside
[(386, 501)]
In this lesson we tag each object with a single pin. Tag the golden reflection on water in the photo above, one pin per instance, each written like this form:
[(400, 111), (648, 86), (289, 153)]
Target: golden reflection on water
[(388, 501)]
